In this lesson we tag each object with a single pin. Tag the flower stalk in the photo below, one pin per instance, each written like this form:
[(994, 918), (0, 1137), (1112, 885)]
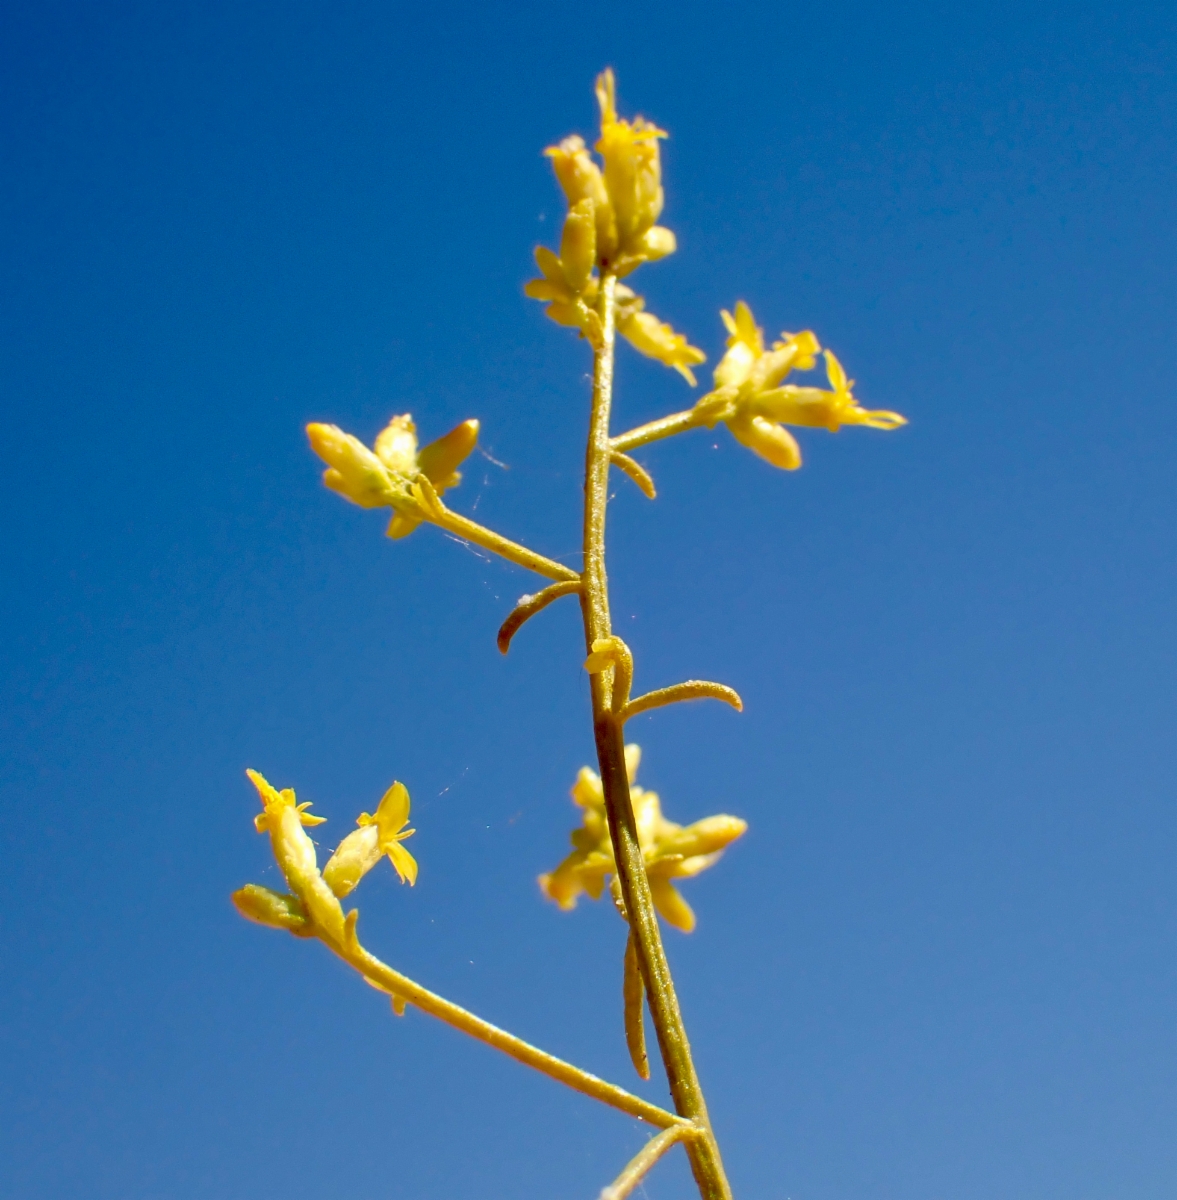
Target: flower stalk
[(673, 1045)]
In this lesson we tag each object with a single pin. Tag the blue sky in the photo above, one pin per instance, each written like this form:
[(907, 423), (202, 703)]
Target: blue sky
[(941, 962)]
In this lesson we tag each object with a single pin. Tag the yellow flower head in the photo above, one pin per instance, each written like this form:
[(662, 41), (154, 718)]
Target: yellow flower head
[(750, 400), (825, 410), (392, 815), (633, 167), (610, 226), (382, 477), (655, 339), (294, 853), (376, 837), (275, 802), (670, 851)]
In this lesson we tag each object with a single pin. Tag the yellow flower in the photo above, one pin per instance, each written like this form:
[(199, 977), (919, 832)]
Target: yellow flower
[(382, 477), (581, 179), (821, 409), (376, 837), (655, 339), (670, 851), (750, 400), (633, 168), (295, 855), (609, 226), (275, 802), (392, 815)]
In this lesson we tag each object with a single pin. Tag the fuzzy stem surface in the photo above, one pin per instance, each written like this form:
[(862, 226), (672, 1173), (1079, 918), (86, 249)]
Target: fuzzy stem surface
[(608, 729)]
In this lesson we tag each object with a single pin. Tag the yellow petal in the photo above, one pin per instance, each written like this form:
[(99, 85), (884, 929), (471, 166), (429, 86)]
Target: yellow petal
[(835, 373), (354, 471), (706, 836), (355, 856), (633, 758), (392, 814), (549, 263), (578, 245), (401, 526), (658, 242), (606, 89), (396, 446), (745, 329), (587, 791), (403, 861), (441, 458), (545, 289), (671, 905), (774, 443), (734, 367), (657, 340)]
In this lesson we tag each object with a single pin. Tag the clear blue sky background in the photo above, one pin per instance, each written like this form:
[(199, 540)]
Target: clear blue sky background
[(942, 962)]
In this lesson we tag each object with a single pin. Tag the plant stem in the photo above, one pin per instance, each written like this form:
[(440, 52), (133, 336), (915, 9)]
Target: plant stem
[(706, 1164), (393, 982), (641, 1162), (463, 527), (664, 427)]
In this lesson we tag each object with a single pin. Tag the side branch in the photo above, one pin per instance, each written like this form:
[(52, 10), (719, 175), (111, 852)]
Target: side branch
[(641, 1162), (385, 979), (693, 689), (664, 427), (528, 606), (636, 472), (433, 510)]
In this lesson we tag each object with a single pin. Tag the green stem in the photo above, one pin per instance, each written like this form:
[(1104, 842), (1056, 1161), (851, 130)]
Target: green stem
[(640, 1164), (463, 527), (706, 1164), (664, 427), (398, 985)]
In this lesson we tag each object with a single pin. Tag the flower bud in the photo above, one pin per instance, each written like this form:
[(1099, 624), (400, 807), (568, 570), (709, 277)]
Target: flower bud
[(355, 856), (294, 853), (279, 910), (651, 337), (581, 179), (353, 470), (706, 836), (396, 446), (633, 169), (658, 242), (774, 443), (578, 245)]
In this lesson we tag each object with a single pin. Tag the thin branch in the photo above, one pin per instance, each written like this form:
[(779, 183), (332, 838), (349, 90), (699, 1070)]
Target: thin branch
[(634, 994), (641, 1162), (693, 689), (636, 472), (385, 979), (528, 606), (433, 510), (664, 427)]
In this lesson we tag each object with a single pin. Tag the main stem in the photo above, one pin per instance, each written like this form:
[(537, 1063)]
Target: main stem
[(706, 1163)]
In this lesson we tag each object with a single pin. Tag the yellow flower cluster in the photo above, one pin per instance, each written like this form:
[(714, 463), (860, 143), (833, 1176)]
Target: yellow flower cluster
[(750, 400), (610, 226), (670, 851), (384, 476), (313, 902)]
